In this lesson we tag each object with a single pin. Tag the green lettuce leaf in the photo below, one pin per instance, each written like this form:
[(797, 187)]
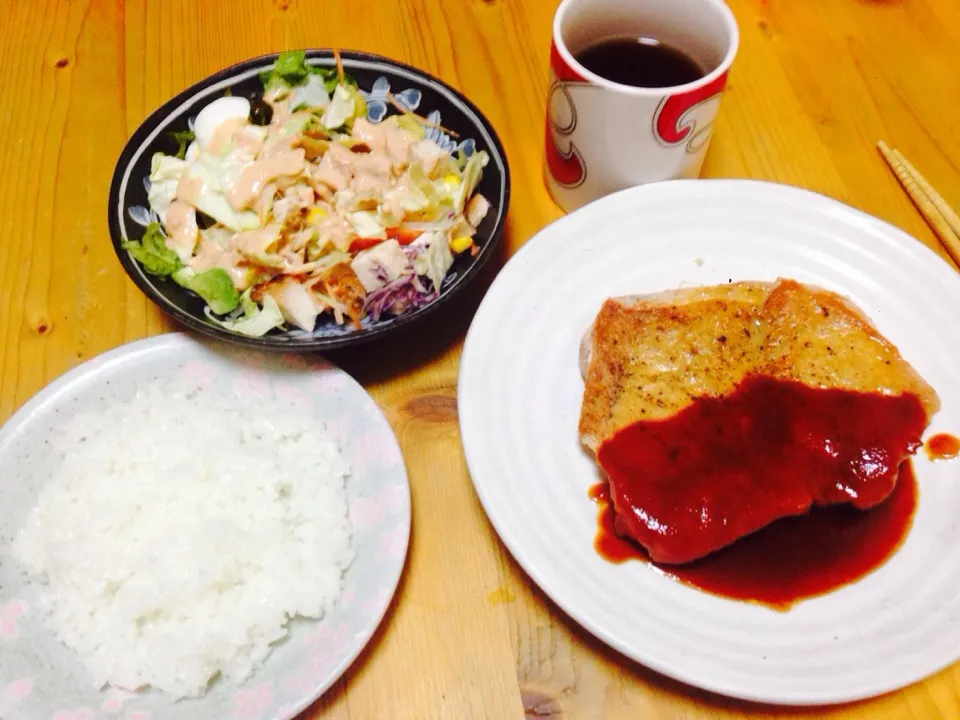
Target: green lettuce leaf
[(213, 285), (256, 321), (289, 68), (152, 253), (183, 139)]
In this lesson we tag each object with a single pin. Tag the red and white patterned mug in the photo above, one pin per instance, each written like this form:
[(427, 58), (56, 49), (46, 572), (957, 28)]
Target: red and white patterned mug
[(602, 136)]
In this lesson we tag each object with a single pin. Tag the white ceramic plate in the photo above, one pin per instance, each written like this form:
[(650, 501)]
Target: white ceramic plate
[(519, 401), (42, 679)]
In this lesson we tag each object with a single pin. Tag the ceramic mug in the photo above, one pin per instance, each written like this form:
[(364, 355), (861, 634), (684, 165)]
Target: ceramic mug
[(602, 136)]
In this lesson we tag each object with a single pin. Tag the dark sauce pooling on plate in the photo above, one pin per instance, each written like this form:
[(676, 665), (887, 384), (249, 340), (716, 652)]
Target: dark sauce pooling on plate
[(790, 560), (640, 62)]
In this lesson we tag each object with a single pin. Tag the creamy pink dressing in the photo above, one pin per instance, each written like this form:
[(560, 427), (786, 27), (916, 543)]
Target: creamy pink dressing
[(345, 201), (428, 154), (372, 135), (280, 112), (335, 168), (300, 239), (182, 230), (371, 171), (292, 261), (256, 242), (285, 182), (250, 139), (304, 195), (387, 138), (254, 176), (264, 203), (336, 230), (391, 199), (282, 120), (211, 255), (223, 135), (189, 189), (294, 201), (323, 191), (398, 144), (277, 143)]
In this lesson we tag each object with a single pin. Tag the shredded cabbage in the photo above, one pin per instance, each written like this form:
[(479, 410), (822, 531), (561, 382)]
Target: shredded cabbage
[(165, 172), (326, 261), (435, 261), (217, 235), (311, 95), (471, 177), (365, 225), (342, 107), (211, 201)]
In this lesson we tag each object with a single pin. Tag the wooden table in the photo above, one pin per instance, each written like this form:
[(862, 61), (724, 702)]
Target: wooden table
[(816, 84)]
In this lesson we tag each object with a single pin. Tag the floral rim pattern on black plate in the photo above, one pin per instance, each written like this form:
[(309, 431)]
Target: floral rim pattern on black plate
[(128, 209)]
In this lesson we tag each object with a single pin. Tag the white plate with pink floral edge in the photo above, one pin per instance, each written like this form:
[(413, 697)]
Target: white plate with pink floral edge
[(41, 678)]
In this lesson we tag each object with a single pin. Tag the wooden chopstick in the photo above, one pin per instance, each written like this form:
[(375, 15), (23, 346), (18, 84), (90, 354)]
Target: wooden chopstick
[(914, 184), (953, 220)]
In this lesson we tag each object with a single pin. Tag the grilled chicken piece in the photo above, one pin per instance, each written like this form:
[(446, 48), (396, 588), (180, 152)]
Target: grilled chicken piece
[(342, 285), (717, 410)]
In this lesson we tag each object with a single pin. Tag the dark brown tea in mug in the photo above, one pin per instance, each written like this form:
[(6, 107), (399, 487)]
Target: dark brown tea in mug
[(640, 62)]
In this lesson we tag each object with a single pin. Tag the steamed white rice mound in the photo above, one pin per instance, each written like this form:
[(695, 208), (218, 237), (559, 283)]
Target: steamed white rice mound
[(182, 533)]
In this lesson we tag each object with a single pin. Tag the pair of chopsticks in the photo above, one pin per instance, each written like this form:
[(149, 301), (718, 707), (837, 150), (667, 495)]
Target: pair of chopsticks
[(940, 216)]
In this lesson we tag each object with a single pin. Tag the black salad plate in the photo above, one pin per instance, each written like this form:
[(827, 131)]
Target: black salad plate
[(129, 213)]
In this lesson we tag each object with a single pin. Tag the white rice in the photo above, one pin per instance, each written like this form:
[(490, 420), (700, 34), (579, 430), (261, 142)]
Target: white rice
[(182, 533)]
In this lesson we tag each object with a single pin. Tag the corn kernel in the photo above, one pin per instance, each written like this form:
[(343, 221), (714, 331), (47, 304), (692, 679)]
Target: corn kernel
[(316, 215), (460, 244)]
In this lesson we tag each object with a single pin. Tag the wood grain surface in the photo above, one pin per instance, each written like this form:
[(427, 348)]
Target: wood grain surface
[(816, 84)]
